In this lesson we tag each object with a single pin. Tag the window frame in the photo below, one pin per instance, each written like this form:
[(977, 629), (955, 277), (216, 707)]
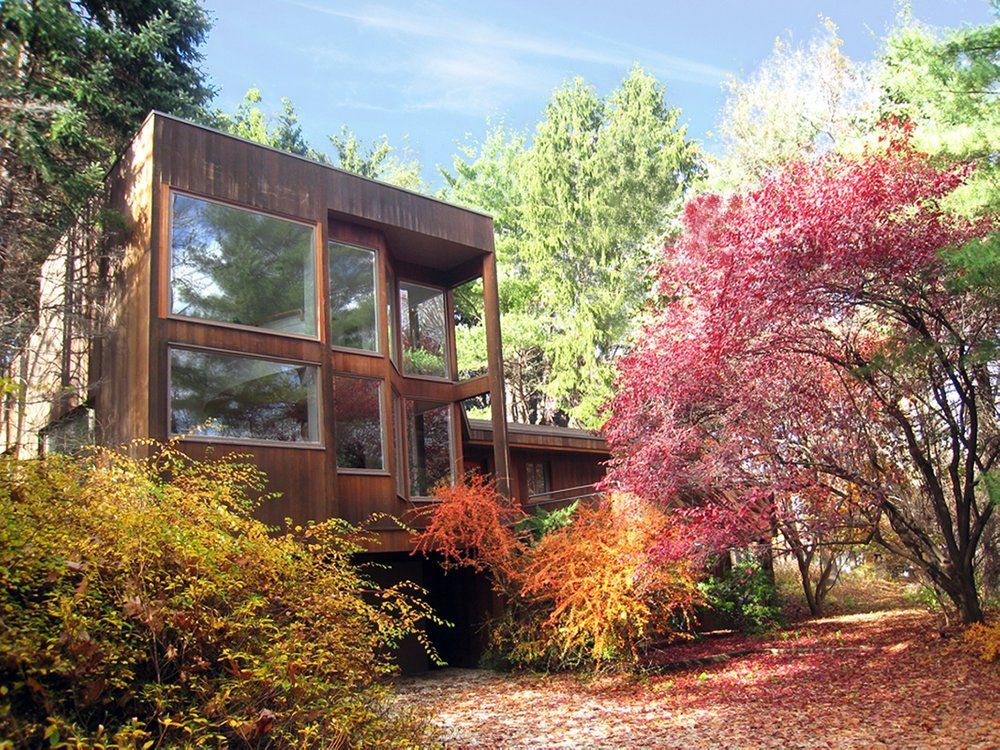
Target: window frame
[(319, 445), (167, 267), (380, 335), (384, 471), (449, 333)]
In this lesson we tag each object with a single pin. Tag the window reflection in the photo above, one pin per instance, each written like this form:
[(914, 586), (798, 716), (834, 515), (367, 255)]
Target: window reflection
[(539, 478), (398, 430), (238, 397), (232, 265), (357, 413), (353, 315), (422, 327), (428, 434)]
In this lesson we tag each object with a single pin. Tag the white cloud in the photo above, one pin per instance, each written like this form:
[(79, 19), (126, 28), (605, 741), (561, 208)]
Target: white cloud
[(483, 66)]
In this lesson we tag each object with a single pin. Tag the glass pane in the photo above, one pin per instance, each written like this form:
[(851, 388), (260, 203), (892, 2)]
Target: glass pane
[(397, 443), (228, 396), (470, 330), (236, 266), (357, 415), (538, 479), (353, 315), (392, 314), (422, 328), (428, 433)]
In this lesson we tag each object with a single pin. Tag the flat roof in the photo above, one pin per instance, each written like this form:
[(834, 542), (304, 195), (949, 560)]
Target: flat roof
[(208, 128)]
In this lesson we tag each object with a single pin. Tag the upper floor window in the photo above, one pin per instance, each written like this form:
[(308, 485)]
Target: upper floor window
[(422, 326), (357, 415), (230, 396), (353, 311), (470, 329), (234, 265), (392, 315)]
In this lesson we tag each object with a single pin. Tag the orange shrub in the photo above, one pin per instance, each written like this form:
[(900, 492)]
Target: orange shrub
[(588, 592), (606, 595), (473, 525)]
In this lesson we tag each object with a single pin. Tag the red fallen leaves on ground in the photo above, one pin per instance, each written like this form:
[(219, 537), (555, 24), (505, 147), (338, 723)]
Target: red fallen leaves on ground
[(886, 679)]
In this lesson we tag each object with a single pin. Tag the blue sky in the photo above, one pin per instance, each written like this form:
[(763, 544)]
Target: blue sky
[(438, 70)]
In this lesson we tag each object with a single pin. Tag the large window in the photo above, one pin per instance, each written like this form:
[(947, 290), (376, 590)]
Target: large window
[(357, 414), (428, 437), (422, 325), (231, 265), (353, 311), (223, 395)]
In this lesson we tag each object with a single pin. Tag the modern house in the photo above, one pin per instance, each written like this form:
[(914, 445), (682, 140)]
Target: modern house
[(251, 300)]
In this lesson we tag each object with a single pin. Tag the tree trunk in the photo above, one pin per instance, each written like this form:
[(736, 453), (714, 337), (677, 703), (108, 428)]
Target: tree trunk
[(965, 597)]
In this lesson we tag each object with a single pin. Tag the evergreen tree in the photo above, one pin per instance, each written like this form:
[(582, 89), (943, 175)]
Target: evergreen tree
[(76, 80), (577, 211)]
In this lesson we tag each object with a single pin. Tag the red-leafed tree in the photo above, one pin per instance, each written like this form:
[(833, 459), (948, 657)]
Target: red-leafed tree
[(818, 363)]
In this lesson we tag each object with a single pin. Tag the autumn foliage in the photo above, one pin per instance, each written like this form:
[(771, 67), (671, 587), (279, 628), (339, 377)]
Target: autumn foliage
[(473, 525), (585, 592), (142, 605), (820, 367)]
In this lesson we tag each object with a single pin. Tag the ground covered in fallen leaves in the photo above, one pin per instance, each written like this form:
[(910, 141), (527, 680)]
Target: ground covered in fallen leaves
[(885, 679)]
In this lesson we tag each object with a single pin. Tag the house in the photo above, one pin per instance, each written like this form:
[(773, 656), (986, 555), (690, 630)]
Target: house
[(250, 300)]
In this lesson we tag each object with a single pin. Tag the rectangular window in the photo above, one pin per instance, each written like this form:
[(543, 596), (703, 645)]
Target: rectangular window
[(392, 315), (353, 311), (539, 479), (229, 396), (357, 415), (422, 326), (233, 265), (428, 436), (71, 434)]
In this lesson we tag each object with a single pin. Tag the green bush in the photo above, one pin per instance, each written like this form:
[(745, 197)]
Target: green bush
[(142, 605), (744, 597)]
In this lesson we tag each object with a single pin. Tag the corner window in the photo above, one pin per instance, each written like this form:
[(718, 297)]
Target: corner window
[(229, 396), (428, 437), (353, 311), (357, 415), (422, 327), (470, 330), (233, 265), (392, 315), (398, 430)]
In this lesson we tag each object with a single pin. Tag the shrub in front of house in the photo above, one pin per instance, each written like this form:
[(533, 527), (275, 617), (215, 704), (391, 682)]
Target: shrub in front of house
[(141, 604)]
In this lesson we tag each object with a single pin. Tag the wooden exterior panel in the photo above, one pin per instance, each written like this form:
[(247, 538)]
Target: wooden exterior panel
[(123, 370), (297, 473)]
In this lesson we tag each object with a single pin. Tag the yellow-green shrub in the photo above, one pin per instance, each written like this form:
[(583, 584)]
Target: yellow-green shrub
[(141, 604)]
